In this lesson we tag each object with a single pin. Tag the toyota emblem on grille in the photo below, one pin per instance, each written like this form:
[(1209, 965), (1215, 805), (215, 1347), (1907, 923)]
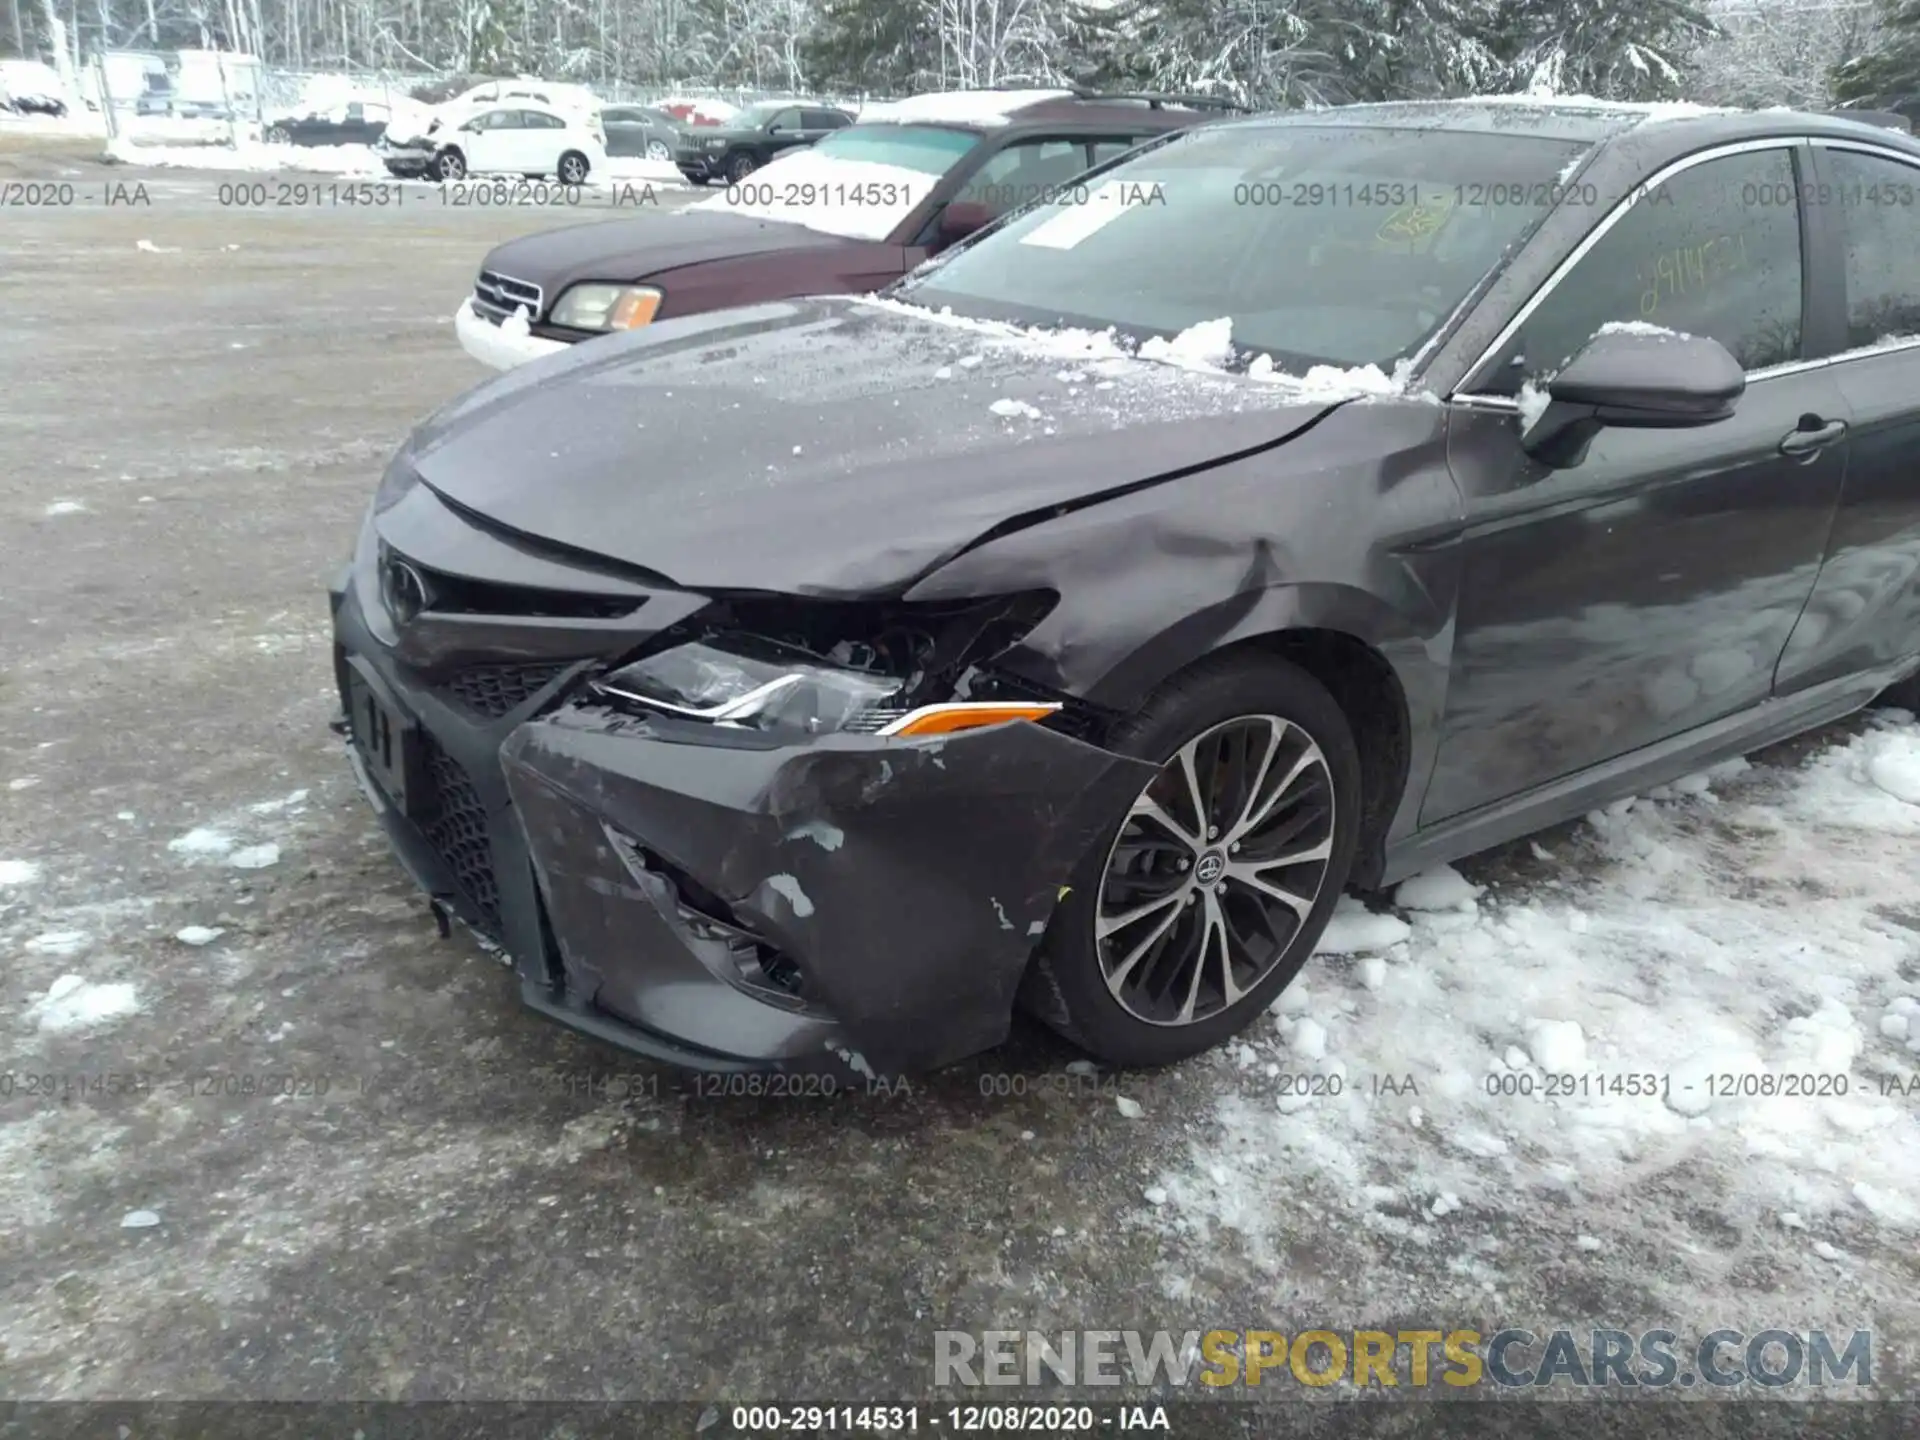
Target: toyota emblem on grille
[(403, 588)]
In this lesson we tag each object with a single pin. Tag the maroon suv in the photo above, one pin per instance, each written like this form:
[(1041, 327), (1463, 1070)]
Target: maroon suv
[(850, 214)]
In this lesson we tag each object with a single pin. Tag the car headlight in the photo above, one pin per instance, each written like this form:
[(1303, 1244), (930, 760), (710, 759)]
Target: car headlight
[(777, 693), (607, 307)]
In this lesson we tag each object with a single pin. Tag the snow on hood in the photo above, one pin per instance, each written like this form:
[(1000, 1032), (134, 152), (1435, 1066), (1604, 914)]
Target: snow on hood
[(959, 107), (1206, 347), (1641, 327), (829, 195)]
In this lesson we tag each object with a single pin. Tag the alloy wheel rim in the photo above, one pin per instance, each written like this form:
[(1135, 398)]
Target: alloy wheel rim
[(658, 150), (571, 172), (1215, 869)]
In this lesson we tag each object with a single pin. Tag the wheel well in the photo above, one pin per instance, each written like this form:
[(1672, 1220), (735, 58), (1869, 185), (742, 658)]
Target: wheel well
[(1368, 693)]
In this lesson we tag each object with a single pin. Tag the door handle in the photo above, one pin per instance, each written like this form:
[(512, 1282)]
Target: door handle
[(1808, 442)]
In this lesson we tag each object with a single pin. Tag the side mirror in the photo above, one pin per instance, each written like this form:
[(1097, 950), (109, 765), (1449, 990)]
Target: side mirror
[(961, 218), (1634, 377)]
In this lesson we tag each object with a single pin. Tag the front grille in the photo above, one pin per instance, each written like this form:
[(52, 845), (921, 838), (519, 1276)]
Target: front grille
[(498, 296), (457, 830), (494, 690), (462, 595)]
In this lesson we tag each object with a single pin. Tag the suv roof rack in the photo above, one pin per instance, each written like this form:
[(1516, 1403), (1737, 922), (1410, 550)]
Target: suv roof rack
[(1156, 101)]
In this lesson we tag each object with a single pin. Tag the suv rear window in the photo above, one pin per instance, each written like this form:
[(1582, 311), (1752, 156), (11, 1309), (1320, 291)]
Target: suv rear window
[(929, 149)]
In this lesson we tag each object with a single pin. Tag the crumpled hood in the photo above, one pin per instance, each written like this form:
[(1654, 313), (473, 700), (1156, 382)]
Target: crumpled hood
[(637, 249), (824, 446)]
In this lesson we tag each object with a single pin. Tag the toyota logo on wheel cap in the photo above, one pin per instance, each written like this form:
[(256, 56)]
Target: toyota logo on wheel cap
[(1211, 867)]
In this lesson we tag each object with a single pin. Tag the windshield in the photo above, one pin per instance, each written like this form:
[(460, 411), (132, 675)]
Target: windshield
[(1339, 246), (860, 183), (929, 149)]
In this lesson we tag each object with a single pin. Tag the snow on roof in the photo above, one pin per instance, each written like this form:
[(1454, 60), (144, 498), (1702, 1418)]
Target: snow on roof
[(959, 107), (1647, 109), (823, 192)]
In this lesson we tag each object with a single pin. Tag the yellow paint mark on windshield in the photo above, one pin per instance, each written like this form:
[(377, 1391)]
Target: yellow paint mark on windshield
[(1417, 222)]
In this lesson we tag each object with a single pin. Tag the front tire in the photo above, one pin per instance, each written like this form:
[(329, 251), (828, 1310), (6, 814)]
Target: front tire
[(573, 168), (658, 150), (740, 167), (279, 135), (1181, 926), (449, 166)]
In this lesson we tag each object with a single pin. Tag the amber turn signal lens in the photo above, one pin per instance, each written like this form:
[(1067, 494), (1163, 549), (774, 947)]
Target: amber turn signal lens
[(945, 719), (633, 309)]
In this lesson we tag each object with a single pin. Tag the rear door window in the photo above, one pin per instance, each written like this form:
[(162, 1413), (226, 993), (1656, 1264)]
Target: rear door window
[(1875, 199)]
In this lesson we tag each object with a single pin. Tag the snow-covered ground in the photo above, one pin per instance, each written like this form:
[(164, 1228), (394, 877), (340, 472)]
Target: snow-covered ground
[(348, 161), (142, 129), (1719, 981)]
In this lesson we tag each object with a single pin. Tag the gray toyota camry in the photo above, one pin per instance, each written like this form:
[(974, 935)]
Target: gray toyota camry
[(1285, 508)]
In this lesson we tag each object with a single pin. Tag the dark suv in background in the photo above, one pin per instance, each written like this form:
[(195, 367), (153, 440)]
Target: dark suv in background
[(752, 138)]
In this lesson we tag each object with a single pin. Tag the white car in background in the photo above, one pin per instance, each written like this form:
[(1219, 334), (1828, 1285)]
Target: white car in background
[(510, 137)]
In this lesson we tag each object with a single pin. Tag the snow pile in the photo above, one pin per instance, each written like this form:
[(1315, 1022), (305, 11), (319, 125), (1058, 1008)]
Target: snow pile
[(958, 107), (640, 170), (75, 1003), (717, 112), (18, 872), (1207, 345), (253, 157), (1719, 992), (218, 842), (827, 195), (1203, 348), (59, 942), (1542, 97), (1641, 327)]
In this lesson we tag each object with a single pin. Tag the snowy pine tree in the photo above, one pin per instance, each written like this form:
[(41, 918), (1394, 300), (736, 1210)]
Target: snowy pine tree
[(1887, 78)]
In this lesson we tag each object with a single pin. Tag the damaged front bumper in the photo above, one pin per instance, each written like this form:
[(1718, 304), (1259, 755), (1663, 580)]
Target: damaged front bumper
[(716, 901), (867, 900)]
